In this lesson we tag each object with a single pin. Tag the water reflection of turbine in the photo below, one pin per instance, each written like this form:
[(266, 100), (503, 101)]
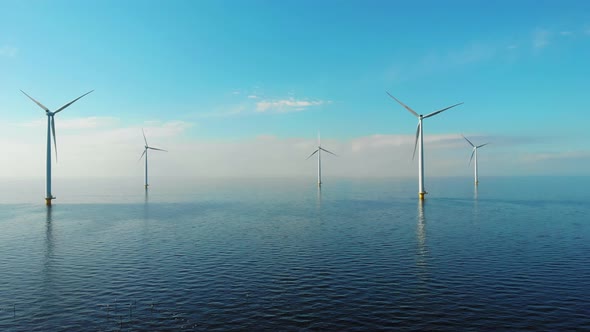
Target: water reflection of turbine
[(146, 206), (319, 198), (475, 205), (421, 235), (47, 271), (422, 270), (48, 235)]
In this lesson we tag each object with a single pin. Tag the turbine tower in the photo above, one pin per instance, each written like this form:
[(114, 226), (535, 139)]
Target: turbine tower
[(145, 150), (319, 152), (51, 132), (420, 136), (474, 153)]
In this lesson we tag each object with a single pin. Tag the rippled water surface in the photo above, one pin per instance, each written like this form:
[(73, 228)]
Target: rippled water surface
[(280, 255)]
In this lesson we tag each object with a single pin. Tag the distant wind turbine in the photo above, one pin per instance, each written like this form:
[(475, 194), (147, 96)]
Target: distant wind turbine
[(50, 132), (146, 157), (474, 153), (319, 152), (419, 135)]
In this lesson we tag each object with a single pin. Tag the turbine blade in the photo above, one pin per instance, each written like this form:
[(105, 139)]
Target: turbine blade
[(145, 139), (312, 154), (53, 131), (416, 140), (71, 102), (444, 109), (149, 147), (479, 146), (328, 152), (472, 153), (36, 102), (404, 105), (468, 141), (144, 151)]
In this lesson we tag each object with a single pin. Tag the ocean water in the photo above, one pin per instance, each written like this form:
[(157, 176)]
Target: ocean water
[(280, 255)]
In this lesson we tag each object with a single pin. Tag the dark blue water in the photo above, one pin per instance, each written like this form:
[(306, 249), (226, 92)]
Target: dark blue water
[(279, 255)]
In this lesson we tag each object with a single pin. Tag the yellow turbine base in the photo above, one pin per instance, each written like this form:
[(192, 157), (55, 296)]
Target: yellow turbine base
[(48, 201), (421, 195)]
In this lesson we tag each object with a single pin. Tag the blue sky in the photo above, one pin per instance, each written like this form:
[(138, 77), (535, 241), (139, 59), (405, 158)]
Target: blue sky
[(233, 72)]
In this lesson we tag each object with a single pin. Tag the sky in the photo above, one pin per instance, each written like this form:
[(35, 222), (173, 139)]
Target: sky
[(242, 88)]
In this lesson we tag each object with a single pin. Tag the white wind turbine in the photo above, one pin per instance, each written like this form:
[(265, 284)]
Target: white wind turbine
[(146, 157), (474, 153), (50, 132), (319, 152), (419, 134)]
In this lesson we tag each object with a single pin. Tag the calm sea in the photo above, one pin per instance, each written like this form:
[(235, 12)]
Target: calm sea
[(274, 255)]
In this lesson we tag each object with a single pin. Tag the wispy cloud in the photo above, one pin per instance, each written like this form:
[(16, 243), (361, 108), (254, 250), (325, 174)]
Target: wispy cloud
[(562, 155), (253, 97), (226, 111), (8, 51), (541, 38), (287, 105), (75, 123), (480, 52), (436, 61), (474, 52)]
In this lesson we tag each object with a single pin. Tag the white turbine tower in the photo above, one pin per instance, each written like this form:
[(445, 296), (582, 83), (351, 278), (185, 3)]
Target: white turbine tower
[(474, 153), (319, 152), (419, 135), (146, 157), (50, 132)]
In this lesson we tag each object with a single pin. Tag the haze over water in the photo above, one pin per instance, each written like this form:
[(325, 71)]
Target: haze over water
[(274, 254)]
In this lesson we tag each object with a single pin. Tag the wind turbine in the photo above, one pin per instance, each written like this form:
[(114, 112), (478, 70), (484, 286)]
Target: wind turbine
[(474, 153), (419, 135), (319, 152), (50, 132), (146, 157)]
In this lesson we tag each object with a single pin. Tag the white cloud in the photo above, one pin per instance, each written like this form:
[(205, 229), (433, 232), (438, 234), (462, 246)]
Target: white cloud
[(113, 150), (253, 97), (379, 142), (286, 105), (566, 33), (8, 51), (91, 147)]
